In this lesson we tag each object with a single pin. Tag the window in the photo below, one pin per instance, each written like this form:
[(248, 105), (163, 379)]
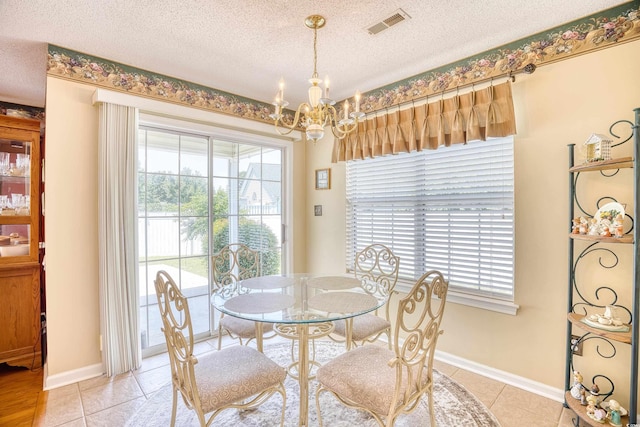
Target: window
[(449, 209), (196, 193)]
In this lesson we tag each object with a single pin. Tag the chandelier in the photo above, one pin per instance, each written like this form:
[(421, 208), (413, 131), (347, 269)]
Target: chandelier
[(319, 111)]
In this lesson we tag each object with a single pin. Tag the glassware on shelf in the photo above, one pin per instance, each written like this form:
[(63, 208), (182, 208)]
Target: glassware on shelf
[(6, 206), (23, 163), (19, 205), (24, 206), (16, 200), (4, 203), (4, 163)]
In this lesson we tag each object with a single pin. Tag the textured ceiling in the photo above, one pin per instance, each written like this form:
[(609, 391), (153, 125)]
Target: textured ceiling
[(244, 47)]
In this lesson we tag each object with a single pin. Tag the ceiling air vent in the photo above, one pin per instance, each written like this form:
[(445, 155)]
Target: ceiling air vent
[(394, 18)]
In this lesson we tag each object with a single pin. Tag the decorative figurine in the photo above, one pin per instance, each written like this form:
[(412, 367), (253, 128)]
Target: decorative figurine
[(591, 405), (600, 415), (593, 412), (577, 388), (608, 320), (595, 390), (583, 225), (594, 227), (575, 227), (598, 147), (600, 227), (583, 397), (618, 226), (614, 414)]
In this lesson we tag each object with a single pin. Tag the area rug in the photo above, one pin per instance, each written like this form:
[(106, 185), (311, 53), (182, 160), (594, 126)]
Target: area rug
[(454, 405)]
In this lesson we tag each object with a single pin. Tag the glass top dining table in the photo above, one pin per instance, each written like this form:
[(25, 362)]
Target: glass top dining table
[(300, 301)]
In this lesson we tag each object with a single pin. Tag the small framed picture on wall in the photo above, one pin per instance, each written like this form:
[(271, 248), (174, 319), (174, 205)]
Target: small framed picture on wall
[(323, 179)]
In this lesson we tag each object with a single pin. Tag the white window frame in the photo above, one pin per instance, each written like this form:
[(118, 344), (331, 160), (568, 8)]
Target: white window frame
[(407, 188)]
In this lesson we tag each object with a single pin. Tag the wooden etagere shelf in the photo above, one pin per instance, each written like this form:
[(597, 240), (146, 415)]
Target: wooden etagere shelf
[(581, 411), (586, 298), (621, 163), (623, 239), (576, 319)]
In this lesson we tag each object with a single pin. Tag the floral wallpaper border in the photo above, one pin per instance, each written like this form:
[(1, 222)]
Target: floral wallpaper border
[(96, 71), (18, 110), (604, 29)]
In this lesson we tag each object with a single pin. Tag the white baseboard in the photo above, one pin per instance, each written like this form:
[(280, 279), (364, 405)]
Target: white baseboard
[(505, 377), (71, 377)]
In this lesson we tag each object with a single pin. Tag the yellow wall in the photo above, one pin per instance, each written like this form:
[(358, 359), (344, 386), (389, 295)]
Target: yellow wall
[(325, 234), (71, 227), (559, 104)]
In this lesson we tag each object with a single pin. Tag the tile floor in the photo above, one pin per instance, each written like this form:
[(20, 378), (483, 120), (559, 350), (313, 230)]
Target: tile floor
[(111, 401)]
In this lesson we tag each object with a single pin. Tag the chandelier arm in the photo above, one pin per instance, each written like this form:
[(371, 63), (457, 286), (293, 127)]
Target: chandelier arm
[(283, 133), (338, 130), (335, 118), (332, 114), (328, 119), (341, 133), (280, 124)]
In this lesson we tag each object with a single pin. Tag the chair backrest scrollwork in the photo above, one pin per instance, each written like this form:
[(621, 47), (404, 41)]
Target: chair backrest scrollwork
[(377, 267), (378, 264), (178, 332), (416, 332), (233, 263)]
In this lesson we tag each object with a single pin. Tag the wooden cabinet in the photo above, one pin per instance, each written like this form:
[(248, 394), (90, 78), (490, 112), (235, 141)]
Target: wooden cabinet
[(603, 278), (20, 310)]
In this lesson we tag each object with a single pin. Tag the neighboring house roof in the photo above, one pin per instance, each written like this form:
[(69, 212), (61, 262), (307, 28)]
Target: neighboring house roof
[(270, 174)]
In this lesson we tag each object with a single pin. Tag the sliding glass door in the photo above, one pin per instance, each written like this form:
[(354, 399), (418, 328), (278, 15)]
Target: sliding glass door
[(198, 193), (247, 196)]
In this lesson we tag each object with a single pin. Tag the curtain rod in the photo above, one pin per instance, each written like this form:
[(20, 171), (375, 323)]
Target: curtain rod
[(511, 75)]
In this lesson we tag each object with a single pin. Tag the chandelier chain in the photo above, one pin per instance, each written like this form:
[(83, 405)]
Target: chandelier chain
[(315, 52)]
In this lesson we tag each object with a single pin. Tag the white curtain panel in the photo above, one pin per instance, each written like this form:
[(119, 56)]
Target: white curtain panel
[(117, 169)]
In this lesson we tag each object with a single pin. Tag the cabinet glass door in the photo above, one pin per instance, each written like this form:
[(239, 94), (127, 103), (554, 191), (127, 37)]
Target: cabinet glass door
[(15, 197)]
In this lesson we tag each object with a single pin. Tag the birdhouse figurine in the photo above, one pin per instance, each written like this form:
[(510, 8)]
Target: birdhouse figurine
[(598, 147)]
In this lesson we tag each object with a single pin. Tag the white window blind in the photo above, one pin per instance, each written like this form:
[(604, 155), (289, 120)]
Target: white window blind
[(449, 209)]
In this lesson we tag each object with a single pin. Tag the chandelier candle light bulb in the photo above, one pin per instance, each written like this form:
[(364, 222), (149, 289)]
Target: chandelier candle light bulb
[(319, 112)]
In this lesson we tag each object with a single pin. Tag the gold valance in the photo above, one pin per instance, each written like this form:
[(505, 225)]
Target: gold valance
[(472, 116)]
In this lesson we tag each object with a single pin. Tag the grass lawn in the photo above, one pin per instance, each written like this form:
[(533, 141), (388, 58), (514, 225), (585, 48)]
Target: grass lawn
[(195, 265)]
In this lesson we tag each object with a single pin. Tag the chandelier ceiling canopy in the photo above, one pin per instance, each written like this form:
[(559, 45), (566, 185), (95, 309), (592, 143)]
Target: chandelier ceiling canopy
[(319, 111)]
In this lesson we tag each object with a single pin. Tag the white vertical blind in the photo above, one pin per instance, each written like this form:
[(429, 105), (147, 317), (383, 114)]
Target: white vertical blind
[(117, 228), (449, 209)]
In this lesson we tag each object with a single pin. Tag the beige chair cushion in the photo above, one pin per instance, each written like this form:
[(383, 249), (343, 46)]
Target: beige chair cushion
[(362, 376), (242, 327), (233, 374), (363, 326)]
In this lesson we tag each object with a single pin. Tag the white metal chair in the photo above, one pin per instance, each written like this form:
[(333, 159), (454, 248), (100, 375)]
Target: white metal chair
[(377, 266), (233, 263), (234, 377), (387, 383)]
